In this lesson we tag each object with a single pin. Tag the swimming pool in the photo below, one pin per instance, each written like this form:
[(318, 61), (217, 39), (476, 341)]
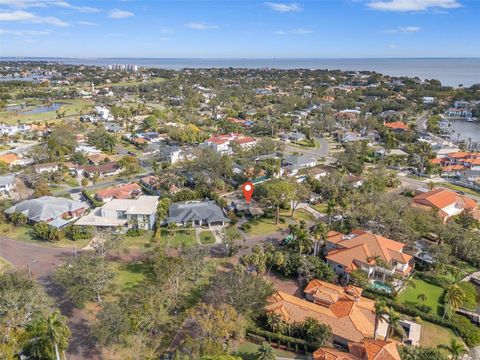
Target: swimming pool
[(379, 285)]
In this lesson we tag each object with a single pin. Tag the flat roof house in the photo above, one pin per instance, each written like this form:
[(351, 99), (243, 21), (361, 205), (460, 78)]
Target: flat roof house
[(197, 213), (378, 256), (48, 208), (350, 316), (123, 213)]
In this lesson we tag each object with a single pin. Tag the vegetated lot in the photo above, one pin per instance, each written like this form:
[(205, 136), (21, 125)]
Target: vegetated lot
[(321, 207), (264, 226), (433, 293), (129, 275), (178, 238), (248, 351), (69, 107), (135, 242), (25, 233), (207, 237)]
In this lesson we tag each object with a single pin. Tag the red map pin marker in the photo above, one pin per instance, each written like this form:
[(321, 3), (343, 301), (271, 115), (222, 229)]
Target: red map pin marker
[(247, 189)]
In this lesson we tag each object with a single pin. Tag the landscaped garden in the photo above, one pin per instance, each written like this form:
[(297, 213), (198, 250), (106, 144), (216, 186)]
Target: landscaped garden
[(423, 294), (248, 351), (207, 237)]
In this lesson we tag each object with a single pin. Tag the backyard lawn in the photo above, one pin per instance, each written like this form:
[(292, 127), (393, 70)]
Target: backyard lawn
[(433, 293), (136, 242), (321, 207), (248, 350), (179, 238), (207, 237)]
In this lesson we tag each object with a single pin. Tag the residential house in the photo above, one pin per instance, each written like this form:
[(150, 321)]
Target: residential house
[(107, 169), (428, 99), (10, 159), (127, 191), (48, 209), (292, 164), (98, 158), (350, 316), (120, 214), (223, 143), (174, 154), (296, 137), (347, 118), (378, 256), (7, 183), (397, 126), (197, 213), (447, 203), (45, 168), (368, 349)]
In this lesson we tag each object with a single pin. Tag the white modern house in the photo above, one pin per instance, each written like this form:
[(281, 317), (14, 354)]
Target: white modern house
[(122, 214)]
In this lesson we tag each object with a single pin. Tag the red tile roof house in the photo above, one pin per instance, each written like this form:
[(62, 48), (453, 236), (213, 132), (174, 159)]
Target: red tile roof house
[(222, 143), (397, 126), (448, 203), (127, 191), (350, 316), (368, 349), (107, 169), (378, 256)]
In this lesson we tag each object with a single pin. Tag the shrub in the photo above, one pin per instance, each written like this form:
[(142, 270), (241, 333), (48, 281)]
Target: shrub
[(291, 342), (135, 232), (79, 232), (435, 279), (468, 331), (282, 220), (246, 227)]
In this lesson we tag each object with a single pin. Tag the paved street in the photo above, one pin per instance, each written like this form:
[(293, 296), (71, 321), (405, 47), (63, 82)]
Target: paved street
[(42, 261), (318, 153)]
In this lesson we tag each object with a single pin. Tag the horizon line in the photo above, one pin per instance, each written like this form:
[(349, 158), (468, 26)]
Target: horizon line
[(242, 58)]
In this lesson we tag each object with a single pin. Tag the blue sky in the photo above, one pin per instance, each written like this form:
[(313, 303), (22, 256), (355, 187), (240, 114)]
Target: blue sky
[(240, 29)]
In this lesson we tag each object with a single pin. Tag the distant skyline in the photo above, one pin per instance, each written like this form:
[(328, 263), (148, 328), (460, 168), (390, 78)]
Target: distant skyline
[(240, 29)]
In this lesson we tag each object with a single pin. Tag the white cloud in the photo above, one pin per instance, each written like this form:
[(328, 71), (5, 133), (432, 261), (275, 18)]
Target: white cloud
[(24, 16), (166, 30), (23, 32), (283, 7), (403, 30), (413, 5), (119, 14), (86, 9), (24, 4), (392, 46), (200, 26), (294, 32), (86, 23)]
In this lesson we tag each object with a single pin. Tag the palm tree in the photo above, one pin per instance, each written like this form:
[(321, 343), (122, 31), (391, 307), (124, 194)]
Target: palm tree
[(454, 297), (456, 348), (394, 324), (380, 315), (265, 352), (49, 337), (319, 234)]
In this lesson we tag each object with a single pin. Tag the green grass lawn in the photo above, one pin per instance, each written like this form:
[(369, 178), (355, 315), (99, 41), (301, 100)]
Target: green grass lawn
[(434, 296), (248, 350), (71, 107), (304, 215), (460, 188), (136, 242), (207, 237), (320, 207), (264, 226), (4, 265), (129, 275), (25, 233), (179, 238)]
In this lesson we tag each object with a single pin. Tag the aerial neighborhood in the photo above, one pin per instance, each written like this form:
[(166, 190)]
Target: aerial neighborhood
[(122, 193)]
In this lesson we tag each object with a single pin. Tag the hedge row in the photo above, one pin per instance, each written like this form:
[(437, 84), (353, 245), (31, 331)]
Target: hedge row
[(94, 202), (434, 279), (458, 323), (295, 344)]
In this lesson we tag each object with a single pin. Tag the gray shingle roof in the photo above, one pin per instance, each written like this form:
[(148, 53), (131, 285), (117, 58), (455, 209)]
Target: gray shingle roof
[(7, 179), (45, 208), (207, 211)]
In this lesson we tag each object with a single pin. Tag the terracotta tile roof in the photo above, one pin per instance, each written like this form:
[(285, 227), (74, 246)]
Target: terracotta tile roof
[(458, 155), (10, 159), (120, 192), (397, 125), (453, 168), (369, 349), (441, 198), (233, 137), (350, 319), (363, 247)]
